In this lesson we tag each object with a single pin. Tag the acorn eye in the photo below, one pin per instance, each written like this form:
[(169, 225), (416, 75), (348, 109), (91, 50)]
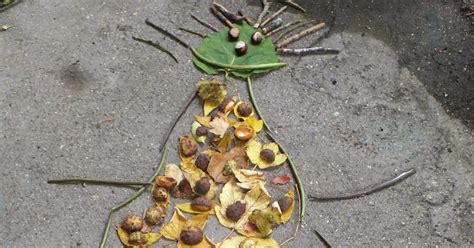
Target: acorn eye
[(256, 38), (240, 48)]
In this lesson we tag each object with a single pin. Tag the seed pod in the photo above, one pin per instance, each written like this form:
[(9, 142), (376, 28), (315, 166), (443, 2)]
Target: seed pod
[(159, 194), (243, 133), (184, 188), (201, 131), (256, 38), (191, 236), (285, 203), (155, 215), (267, 155), (202, 161), (201, 203), (165, 182), (132, 223), (235, 211), (188, 146), (244, 109), (137, 238), (227, 105), (234, 34), (240, 48), (202, 186)]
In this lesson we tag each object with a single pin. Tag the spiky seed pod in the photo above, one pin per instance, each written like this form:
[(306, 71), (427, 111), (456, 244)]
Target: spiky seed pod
[(211, 90), (132, 223), (155, 215), (137, 238), (159, 194), (187, 145)]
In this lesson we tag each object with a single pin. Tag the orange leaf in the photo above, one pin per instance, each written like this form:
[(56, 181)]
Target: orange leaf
[(281, 180)]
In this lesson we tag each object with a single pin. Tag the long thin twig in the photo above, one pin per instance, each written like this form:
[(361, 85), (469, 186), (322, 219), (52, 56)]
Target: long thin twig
[(281, 28), (79, 180), (300, 35), (173, 124), (273, 16), (246, 18), (229, 15), (370, 190), (205, 24), (273, 25), (291, 164), (292, 29), (167, 33), (117, 207), (12, 3), (322, 239), (192, 32), (157, 46), (266, 6), (293, 5), (307, 51), (221, 17)]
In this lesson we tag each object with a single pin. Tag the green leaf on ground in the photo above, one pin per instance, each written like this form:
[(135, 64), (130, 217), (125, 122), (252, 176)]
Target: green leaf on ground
[(216, 53)]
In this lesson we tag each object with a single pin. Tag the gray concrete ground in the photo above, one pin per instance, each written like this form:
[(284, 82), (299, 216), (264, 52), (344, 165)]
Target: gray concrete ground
[(349, 121)]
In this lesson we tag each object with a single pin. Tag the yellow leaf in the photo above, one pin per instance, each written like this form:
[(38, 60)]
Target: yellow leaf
[(230, 194), (173, 171), (203, 120), (219, 126), (150, 238), (173, 228), (224, 142), (209, 105), (186, 207), (247, 178), (194, 174), (286, 215), (253, 122), (242, 241), (254, 148), (198, 221)]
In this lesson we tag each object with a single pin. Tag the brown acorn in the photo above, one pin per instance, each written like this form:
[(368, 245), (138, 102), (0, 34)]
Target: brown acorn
[(155, 215), (243, 133), (184, 188), (191, 236), (159, 194), (227, 105), (165, 182), (233, 34), (245, 109), (202, 186), (267, 155), (240, 48), (132, 223), (201, 203), (137, 238), (256, 38), (188, 146), (235, 211), (285, 203), (201, 131), (202, 161)]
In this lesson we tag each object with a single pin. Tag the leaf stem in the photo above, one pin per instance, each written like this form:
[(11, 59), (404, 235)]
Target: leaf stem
[(270, 133), (79, 180), (124, 203), (236, 67), (254, 103)]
